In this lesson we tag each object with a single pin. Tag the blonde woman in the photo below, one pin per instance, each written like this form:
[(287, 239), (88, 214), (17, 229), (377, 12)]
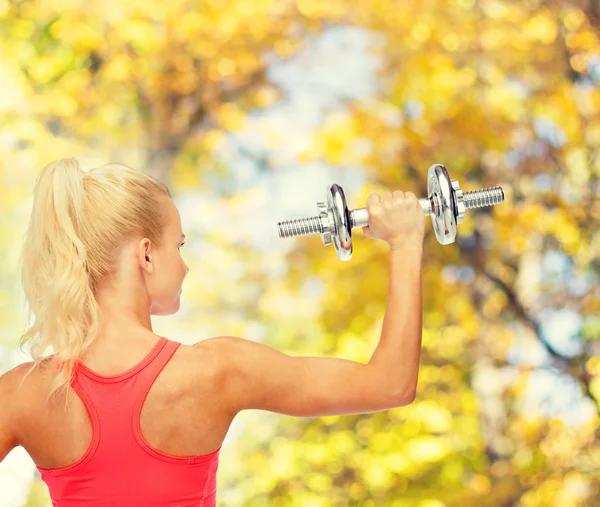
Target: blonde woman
[(120, 416)]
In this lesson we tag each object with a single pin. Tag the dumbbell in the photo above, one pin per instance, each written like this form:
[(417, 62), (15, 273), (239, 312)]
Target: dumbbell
[(446, 205)]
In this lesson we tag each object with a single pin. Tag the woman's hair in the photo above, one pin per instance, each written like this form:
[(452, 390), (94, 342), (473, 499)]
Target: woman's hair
[(79, 222)]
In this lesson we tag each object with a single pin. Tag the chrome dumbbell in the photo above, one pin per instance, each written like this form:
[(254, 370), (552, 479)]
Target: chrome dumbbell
[(446, 205)]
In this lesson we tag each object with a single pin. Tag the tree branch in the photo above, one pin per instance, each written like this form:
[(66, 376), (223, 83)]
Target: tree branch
[(570, 365)]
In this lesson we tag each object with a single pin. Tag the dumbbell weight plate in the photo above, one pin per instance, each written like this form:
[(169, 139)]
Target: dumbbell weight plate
[(443, 208), (340, 215)]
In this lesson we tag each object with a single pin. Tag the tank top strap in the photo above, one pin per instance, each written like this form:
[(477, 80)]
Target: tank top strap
[(148, 368), (151, 367)]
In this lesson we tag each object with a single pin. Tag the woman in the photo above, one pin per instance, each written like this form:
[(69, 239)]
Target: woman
[(121, 416)]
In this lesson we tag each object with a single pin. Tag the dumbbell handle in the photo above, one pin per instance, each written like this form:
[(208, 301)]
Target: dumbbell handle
[(360, 217)]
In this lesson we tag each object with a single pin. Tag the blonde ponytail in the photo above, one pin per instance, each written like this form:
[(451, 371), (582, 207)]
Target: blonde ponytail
[(78, 223)]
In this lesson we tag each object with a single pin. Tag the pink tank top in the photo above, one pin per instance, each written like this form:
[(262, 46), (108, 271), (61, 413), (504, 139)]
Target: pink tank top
[(119, 468)]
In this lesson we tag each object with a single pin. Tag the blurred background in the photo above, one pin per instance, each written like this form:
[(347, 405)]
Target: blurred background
[(248, 110)]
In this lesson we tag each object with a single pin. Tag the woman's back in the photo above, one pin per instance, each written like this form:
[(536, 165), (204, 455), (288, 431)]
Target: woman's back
[(179, 406)]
